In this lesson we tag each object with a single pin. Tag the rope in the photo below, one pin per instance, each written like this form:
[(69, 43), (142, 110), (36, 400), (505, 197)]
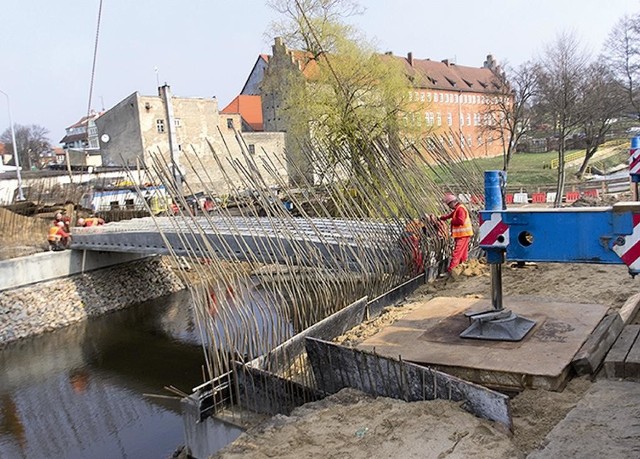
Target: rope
[(93, 67)]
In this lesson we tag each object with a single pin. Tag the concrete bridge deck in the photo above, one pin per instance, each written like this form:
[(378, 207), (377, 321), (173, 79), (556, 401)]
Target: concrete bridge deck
[(346, 244)]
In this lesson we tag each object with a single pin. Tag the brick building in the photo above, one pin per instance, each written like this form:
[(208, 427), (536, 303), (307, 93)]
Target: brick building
[(448, 100)]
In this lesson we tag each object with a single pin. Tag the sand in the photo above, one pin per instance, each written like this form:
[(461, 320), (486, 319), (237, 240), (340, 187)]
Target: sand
[(353, 425)]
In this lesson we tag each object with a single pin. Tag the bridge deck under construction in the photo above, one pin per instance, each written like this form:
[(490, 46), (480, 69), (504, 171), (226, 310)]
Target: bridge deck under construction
[(429, 335), (342, 244)]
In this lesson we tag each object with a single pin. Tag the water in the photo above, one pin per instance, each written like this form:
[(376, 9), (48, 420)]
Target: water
[(78, 392)]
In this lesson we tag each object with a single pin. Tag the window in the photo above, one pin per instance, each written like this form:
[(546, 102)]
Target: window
[(439, 119), (479, 140), (422, 96), (461, 119), (160, 125), (177, 122), (468, 119), (449, 119), (476, 119), (446, 98), (456, 98), (230, 123), (470, 141), (428, 97), (252, 149), (441, 97)]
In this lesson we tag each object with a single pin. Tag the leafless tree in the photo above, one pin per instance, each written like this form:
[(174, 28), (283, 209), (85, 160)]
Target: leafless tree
[(602, 101), (32, 142), (507, 116), (561, 75), (622, 52)]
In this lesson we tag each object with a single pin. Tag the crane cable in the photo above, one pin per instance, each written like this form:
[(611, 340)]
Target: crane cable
[(93, 67)]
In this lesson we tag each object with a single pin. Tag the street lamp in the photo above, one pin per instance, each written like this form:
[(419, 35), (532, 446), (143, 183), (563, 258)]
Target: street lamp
[(15, 148)]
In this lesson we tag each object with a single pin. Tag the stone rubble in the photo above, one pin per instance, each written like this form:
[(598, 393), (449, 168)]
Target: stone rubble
[(47, 306)]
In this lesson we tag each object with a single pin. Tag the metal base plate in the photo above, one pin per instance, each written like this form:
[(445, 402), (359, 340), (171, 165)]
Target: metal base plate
[(510, 328)]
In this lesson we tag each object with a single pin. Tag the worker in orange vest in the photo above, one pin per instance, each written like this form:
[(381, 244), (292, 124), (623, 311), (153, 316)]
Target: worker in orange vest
[(91, 221), (461, 230), (58, 238)]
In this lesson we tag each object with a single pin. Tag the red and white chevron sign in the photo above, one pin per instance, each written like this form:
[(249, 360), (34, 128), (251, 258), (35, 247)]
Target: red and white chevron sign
[(494, 232), (634, 165), (629, 251)]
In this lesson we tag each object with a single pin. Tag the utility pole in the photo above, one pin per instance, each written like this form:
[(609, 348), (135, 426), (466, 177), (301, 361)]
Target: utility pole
[(173, 143), (16, 159)]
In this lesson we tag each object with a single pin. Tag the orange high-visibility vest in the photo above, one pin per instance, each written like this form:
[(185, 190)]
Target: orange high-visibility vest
[(53, 234), (93, 221), (461, 230)]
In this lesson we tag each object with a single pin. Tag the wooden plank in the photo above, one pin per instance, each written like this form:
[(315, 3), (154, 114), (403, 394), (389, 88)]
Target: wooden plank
[(593, 351), (336, 367), (630, 308), (614, 362), (632, 362)]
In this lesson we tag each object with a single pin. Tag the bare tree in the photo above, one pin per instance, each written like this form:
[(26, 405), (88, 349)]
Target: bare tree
[(508, 115), (602, 101), (561, 75), (622, 51), (32, 141)]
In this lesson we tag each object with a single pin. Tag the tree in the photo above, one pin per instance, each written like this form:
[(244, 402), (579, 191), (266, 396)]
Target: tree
[(339, 92), (561, 76), (32, 141), (602, 101), (508, 115), (622, 52)]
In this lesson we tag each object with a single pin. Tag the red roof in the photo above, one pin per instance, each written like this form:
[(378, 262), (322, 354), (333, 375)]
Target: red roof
[(249, 107)]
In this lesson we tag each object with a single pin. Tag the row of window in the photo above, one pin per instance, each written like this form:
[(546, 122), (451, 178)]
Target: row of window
[(454, 98), (435, 119), (468, 140)]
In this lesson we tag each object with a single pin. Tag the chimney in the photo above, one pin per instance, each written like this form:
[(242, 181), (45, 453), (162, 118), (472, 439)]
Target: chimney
[(410, 58), (445, 62)]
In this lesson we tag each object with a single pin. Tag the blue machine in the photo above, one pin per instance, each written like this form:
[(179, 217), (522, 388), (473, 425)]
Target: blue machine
[(600, 235)]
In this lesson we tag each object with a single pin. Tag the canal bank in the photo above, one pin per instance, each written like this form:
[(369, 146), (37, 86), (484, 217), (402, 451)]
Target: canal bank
[(53, 304)]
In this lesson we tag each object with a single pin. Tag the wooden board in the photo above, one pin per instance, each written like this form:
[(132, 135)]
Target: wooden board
[(614, 361), (594, 350), (632, 362), (429, 335)]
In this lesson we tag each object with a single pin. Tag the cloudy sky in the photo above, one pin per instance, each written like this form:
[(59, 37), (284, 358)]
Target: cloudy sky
[(207, 48)]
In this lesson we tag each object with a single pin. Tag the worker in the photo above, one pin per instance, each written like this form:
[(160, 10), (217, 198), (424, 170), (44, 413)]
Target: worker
[(58, 238), (91, 221), (413, 245), (61, 217), (461, 230)]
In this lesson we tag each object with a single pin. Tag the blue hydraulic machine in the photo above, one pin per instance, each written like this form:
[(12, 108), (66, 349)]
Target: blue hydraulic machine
[(598, 235)]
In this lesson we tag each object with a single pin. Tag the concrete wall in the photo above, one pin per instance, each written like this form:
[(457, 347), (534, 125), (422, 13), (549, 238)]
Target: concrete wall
[(121, 124), (40, 267)]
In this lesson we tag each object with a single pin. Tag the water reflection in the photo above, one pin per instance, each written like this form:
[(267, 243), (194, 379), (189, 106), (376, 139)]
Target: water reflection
[(78, 392)]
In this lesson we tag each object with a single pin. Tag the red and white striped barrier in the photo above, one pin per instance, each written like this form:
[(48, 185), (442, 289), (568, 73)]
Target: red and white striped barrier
[(494, 232), (634, 166), (629, 251)]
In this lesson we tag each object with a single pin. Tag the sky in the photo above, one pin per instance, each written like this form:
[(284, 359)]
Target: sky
[(206, 48)]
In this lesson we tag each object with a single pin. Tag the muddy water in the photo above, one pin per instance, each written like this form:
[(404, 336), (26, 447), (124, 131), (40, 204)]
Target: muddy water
[(79, 392)]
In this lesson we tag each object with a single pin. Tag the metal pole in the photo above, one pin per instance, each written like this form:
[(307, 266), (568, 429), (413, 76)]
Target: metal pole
[(15, 148), (496, 287)]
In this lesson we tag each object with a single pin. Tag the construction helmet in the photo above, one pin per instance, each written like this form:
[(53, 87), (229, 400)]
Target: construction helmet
[(449, 198)]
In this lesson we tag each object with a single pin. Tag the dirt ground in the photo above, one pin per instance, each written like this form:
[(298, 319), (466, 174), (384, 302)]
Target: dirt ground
[(354, 425)]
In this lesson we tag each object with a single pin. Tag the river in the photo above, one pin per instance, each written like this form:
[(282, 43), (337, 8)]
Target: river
[(79, 392)]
